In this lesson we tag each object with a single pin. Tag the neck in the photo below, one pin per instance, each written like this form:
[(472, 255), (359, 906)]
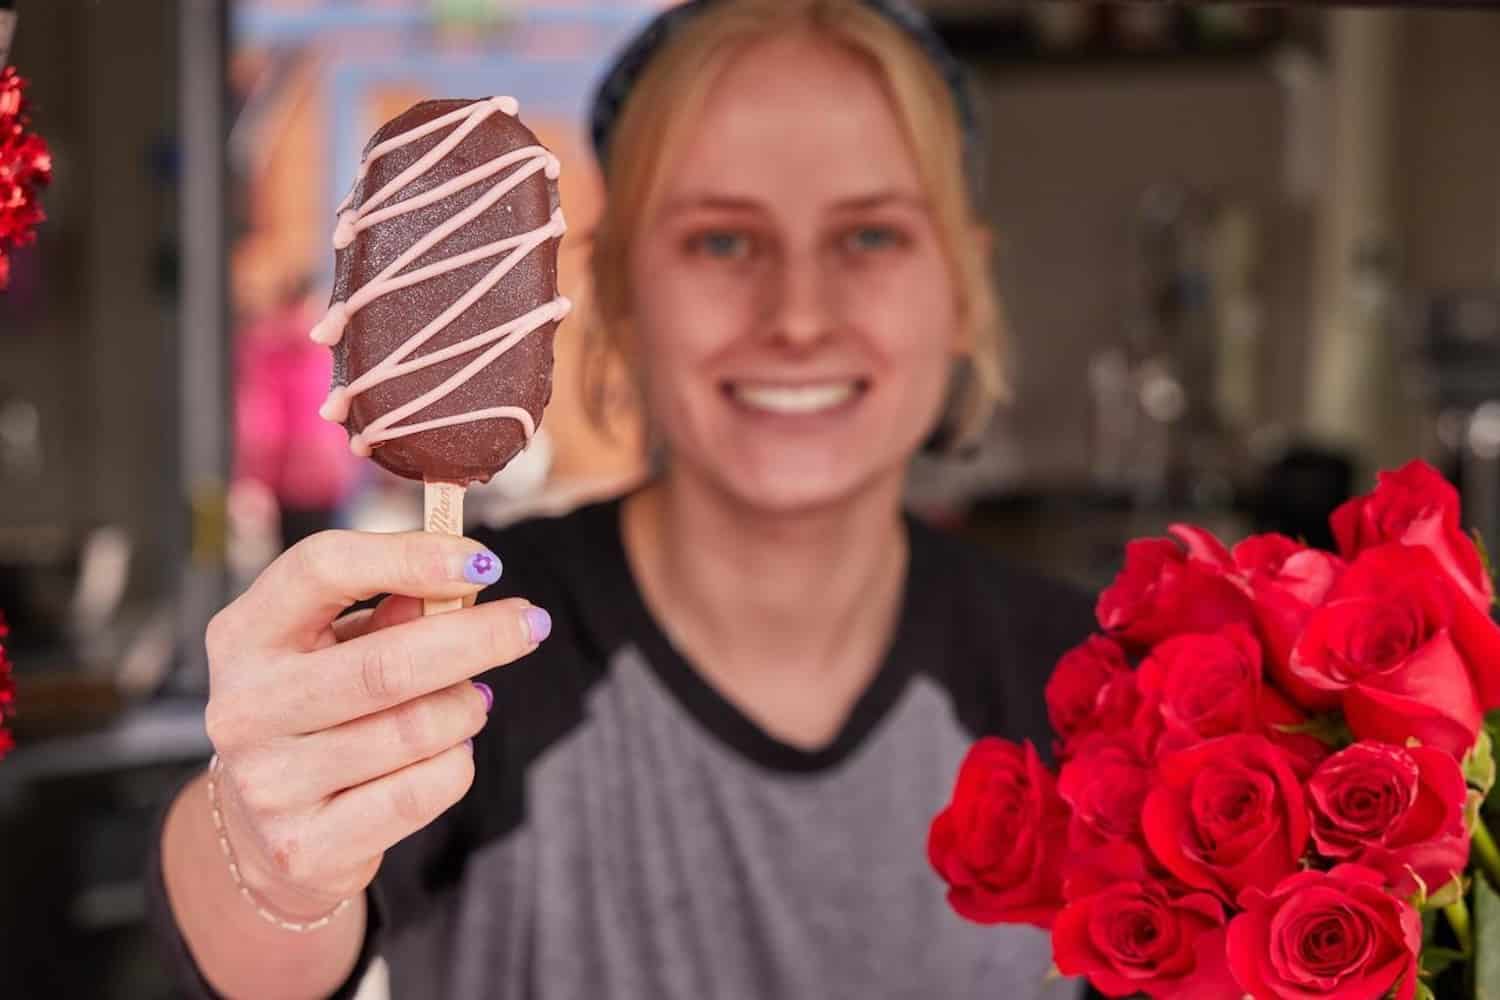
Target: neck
[(746, 592)]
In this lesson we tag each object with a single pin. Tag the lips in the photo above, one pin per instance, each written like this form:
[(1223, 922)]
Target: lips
[(787, 399)]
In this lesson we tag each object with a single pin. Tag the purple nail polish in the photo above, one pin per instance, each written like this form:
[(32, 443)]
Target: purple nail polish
[(489, 695), (539, 623), (470, 745), (482, 567)]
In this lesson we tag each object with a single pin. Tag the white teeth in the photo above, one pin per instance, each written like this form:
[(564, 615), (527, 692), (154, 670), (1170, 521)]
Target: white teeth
[(794, 398)]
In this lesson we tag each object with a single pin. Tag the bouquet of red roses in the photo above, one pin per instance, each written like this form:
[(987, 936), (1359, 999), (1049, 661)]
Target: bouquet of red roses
[(1273, 766)]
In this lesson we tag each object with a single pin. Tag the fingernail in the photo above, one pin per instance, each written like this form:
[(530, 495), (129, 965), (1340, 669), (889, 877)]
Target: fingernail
[(482, 567), (470, 745), (538, 623), (489, 695)]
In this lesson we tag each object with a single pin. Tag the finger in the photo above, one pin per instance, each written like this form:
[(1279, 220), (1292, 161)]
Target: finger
[(307, 587), (309, 692), (394, 610), (314, 767), (371, 818)]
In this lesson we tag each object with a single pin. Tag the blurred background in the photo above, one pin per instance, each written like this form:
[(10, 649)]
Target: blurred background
[(1247, 254)]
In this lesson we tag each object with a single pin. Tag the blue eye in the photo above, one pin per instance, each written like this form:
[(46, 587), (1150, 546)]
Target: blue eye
[(870, 238), (724, 244)]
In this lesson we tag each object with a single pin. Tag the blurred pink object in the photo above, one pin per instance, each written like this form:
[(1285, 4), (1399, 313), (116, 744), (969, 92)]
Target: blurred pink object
[(281, 378)]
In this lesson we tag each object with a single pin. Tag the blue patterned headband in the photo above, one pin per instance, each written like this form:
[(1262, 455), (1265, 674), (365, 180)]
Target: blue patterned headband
[(614, 90)]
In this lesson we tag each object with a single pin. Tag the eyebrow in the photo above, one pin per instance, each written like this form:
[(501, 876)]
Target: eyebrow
[(711, 203), (881, 199), (729, 203)]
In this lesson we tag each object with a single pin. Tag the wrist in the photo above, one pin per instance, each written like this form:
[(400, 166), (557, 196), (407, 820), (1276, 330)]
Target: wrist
[(290, 909)]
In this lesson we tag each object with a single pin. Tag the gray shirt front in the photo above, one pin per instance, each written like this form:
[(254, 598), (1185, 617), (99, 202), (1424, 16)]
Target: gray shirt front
[(631, 834)]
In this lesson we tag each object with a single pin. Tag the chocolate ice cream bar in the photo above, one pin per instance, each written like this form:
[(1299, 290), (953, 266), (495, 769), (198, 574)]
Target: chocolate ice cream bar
[(445, 293)]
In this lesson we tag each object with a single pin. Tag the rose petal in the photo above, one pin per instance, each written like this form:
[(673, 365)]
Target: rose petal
[(1456, 553), (1211, 975), (1428, 698), (1204, 547), (1477, 636)]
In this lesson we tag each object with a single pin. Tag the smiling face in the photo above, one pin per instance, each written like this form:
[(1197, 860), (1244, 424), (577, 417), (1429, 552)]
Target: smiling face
[(794, 315)]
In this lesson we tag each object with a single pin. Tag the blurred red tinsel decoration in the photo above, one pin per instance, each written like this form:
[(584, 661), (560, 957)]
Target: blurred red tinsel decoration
[(7, 695), (25, 168)]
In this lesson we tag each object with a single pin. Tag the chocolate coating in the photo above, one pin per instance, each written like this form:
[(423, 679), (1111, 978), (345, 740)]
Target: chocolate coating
[(522, 377)]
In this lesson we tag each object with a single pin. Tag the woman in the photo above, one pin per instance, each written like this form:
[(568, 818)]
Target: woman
[(753, 679)]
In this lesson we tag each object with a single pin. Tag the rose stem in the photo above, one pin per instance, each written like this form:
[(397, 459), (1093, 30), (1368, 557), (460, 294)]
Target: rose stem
[(1458, 918), (1487, 853)]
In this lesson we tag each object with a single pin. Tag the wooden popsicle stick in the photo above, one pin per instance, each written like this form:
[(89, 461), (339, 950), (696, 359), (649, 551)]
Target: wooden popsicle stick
[(442, 512)]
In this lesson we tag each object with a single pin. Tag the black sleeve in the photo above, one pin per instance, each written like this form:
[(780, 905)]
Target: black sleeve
[(1006, 629), (540, 699), (1043, 619)]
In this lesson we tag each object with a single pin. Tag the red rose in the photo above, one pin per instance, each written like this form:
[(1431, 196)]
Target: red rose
[(1161, 592), (999, 844), (1381, 649), (1204, 685), (1416, 506), (1287, 582), (1336, 935), (1130, 934), (1227, 814), (1397, 810), (1197, 687), (1105, 786), (1091, 690)]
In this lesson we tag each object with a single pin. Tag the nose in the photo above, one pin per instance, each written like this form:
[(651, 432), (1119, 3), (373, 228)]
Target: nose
[(802, 313)]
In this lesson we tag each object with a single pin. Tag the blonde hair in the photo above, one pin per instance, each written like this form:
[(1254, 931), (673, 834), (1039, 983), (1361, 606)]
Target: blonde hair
[(675, 85)]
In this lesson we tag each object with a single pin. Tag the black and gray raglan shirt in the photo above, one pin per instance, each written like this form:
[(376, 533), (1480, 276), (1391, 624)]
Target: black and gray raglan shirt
[(631, 834)]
